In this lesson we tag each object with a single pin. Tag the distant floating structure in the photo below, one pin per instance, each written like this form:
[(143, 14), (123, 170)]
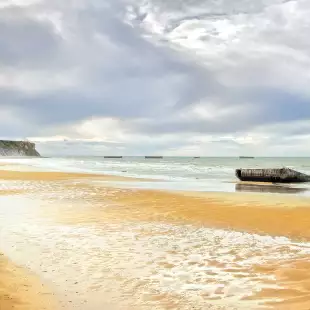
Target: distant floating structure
[(246, 157), (113, 157), (153, 157), (282, 175)]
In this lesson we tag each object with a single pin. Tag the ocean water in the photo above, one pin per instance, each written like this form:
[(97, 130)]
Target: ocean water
[(184, 173)]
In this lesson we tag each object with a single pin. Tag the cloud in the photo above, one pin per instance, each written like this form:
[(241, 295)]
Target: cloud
[(125, 72), (25, 39)]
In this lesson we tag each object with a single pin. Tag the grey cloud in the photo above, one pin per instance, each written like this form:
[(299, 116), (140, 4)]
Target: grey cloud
[(211, 7), (26, 40), (261, 107), (121, 75)]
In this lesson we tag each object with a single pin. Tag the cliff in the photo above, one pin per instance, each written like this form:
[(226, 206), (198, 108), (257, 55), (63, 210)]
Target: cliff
[(17, 148)]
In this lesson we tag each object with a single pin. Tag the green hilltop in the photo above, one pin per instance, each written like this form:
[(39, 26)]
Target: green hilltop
[(17, 148)]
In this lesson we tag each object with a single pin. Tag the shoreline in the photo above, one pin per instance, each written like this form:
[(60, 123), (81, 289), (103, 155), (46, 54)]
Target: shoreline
[(236, 186)]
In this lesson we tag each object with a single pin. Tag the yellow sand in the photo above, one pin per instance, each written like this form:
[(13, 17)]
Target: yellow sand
[(20, 290), (260, 213), (52, 176), (41, 176), (264, 214)]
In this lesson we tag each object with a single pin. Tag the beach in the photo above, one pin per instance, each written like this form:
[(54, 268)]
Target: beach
[(154, 155), (101, 242)]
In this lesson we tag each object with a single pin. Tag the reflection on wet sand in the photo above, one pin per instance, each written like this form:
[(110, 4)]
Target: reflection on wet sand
[(117, 248), (276, 189)]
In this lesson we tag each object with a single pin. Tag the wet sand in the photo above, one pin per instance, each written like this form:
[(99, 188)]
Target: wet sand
[(52, 176), (21, 290), (278, 215), (146, 249)]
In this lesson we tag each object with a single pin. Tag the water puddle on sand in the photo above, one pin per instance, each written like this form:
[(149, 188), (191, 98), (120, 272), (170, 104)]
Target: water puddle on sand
[(150, 265)]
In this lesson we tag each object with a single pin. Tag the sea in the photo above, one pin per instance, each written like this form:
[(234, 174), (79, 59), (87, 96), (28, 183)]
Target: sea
[(209, 174)]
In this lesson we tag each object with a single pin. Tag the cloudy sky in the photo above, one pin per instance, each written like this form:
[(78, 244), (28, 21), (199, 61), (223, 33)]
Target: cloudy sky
[(171, 77)]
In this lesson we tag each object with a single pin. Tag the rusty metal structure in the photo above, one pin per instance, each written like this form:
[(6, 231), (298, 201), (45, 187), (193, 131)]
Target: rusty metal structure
[(280, 175)]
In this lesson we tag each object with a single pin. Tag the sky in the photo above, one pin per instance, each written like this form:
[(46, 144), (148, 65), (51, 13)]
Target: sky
[(156, 77)]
